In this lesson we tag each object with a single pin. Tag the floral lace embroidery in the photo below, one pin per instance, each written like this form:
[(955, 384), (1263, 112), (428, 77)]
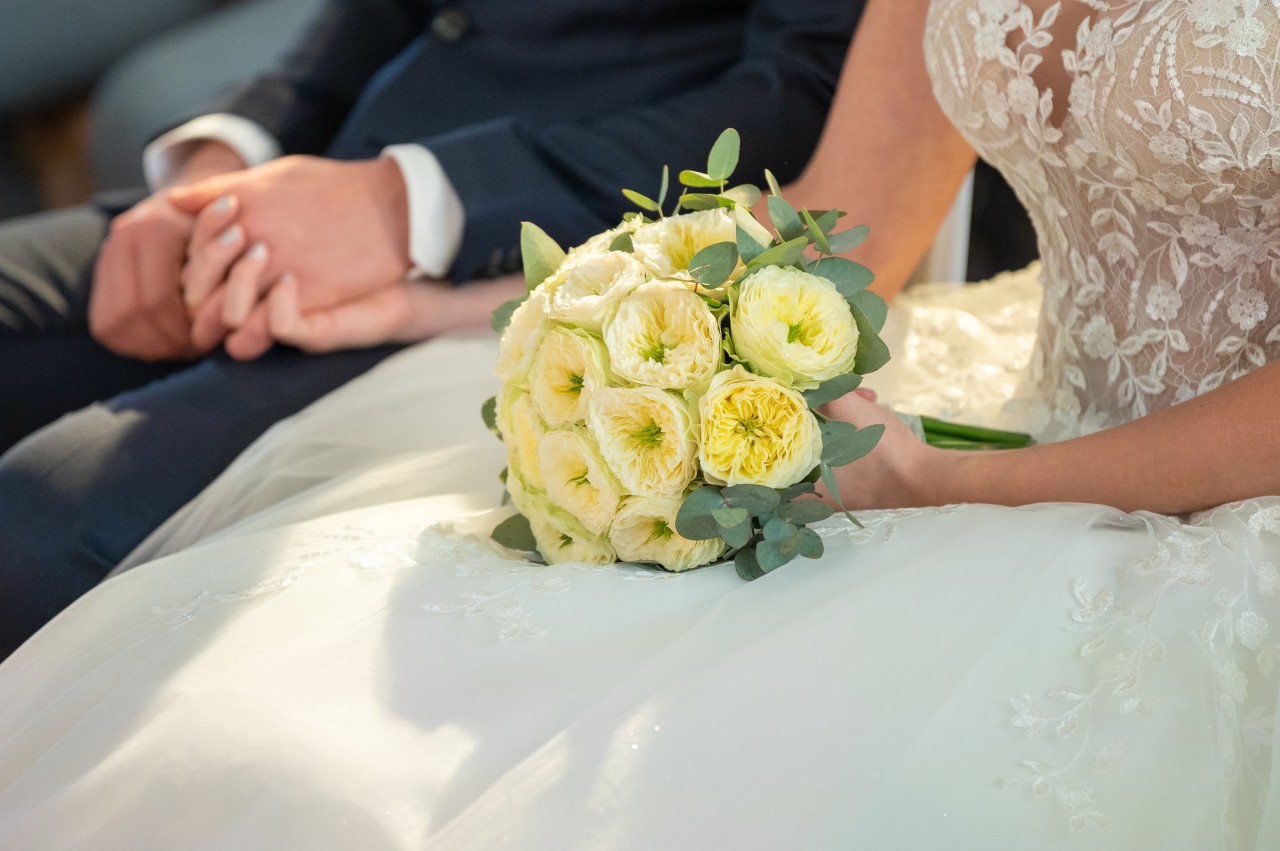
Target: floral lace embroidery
[(1156, 198)]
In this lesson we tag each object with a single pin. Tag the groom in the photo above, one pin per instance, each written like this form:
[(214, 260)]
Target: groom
[(435, 130)]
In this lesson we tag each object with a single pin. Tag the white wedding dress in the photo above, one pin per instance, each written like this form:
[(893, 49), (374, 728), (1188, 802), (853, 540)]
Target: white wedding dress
[(324, 651)]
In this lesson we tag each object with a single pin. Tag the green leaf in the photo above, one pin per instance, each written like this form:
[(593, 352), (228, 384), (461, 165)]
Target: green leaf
[(850, 278), (826, 219), (805, 511), (747, 565), (644, 202), (516, 533), (723, 158), (666, 184), (695, 520), (815, 233), (799, 489), (713, 265), (786, 254), (843, 443), (773, 555), (772, 183), (832, 389), (833, 488), (873, 307), (847, 240), (702, 201), (809, 543), (699, 180), (744, 195), (489, 413), (623, 242), (748, 248), (778, 529), (501, 316), (542, 255), (786, 221), (729, 517), (872, 352), (758, 500), (737, 536)]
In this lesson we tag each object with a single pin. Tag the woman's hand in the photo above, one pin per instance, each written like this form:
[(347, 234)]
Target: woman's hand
[(900, 472)]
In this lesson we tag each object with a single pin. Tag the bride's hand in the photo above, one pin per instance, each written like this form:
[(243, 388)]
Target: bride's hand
[(900, 472)]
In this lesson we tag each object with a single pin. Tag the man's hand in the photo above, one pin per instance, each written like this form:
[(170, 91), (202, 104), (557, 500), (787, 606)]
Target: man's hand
[(341, 229), (135, 305)]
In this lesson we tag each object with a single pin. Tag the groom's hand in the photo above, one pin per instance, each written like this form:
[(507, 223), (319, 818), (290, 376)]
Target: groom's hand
[(339, 228)]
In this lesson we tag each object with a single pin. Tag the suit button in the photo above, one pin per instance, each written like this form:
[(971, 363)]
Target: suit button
[(450, 24)]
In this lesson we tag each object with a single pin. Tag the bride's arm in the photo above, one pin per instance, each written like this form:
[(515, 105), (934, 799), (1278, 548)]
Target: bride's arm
[(1210, 450), (888, 155)]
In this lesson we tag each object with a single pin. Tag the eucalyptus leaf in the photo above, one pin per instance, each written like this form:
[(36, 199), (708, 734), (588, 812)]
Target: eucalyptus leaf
[(843, 443), (699, 180), (747, 565), (873, 307), (799, 489), (772, 183), (542, 255), (516, 533), (826, 219), (847, 240), (815, 233), (786, 221), (778, 529), (744, 195), (723, 158), (695, 520), (644, 202), (623, 242), (809, 543), (729, 517), (501, 316), (737, 536), (713, 265), (832, 389), (785, 254), (666, 184), (489, 413), (850, 278), (833, 488), (773, 555), (748, 248), (802, 512), (702, 201), (758, 500), (872, 352)]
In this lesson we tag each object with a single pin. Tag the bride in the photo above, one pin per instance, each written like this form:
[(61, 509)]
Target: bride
[(323, 651)]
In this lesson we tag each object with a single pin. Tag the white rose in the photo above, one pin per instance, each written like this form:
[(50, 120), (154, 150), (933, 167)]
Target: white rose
[(756, 432), (664, 335), (585, 289), (521, 338), (600, 243), (521, 429), (578, 480), (561, 539), (645, 530), (667, 245), (647, 438), (793, 326), (569, 366)]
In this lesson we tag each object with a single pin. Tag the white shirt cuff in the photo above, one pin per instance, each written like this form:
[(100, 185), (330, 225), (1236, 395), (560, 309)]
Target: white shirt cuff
[(436, 216), (166, 154)]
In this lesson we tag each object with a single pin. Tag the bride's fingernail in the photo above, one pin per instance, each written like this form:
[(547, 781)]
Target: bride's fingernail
[(258, 252), (222, 205), (231, 235)]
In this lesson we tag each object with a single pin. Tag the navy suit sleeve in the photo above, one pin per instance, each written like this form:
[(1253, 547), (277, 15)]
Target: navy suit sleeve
[(566, 176), (304, 101)]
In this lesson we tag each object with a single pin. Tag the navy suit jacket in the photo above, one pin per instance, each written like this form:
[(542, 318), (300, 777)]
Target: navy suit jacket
[(542, 111)]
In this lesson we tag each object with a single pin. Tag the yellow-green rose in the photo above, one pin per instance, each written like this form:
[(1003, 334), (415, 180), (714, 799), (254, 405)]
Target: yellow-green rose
[(793, 326), (521, 429), (645, 530), (522, 336), (561, 539), (587, 286), (569, 366), (667, 245), (664, 335), (647, 438), (756, 432), (578, 480)]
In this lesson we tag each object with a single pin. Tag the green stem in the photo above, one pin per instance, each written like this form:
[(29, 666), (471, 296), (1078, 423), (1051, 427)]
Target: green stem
[(975, 434)]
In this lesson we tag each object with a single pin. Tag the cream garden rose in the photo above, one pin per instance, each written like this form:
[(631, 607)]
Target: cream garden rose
[(561, 539), (667, 245), (645, 530), (664, 335), (578, 480), (756, 432), (586, 287), (568, 367), (794, 326), (521, 429), (647, 437), (528, 325)]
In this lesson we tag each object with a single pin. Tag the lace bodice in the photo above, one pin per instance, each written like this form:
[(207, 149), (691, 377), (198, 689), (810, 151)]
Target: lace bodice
[(1152, 177)]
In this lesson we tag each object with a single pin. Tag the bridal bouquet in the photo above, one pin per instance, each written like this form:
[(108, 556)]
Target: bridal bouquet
[(661, 381)]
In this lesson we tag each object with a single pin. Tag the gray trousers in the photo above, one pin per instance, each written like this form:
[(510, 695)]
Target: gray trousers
[(98, 450)]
